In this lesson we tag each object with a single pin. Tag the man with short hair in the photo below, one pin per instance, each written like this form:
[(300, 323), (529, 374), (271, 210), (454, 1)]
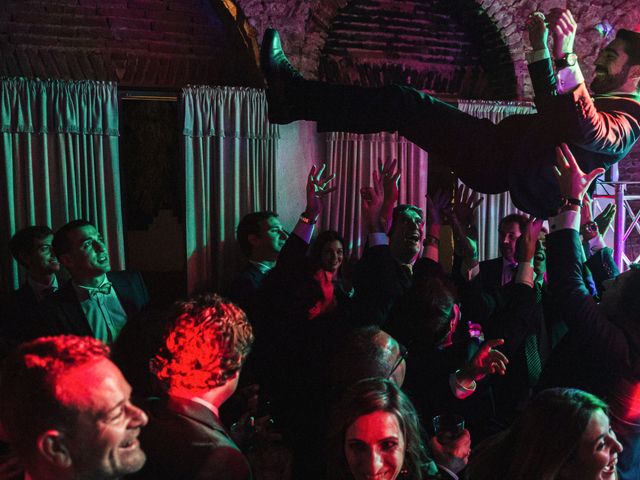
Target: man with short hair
[(66, 411), (515, 155), (198, 365), (96, 302), (260, 236), (32, 249)]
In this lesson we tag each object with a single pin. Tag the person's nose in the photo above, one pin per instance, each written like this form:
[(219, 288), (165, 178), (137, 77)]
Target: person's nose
[(284, 234), (616, 446), (138, 417), (99, 246), (374, 462)]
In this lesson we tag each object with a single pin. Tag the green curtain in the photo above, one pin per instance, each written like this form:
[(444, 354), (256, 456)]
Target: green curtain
[(59, 150), (230, 161)]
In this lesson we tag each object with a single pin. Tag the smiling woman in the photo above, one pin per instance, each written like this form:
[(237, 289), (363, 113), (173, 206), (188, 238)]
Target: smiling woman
[(563, 435), (375, 434)]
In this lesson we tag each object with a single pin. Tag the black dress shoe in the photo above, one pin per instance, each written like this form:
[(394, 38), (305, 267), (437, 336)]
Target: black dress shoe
[(283, 80)]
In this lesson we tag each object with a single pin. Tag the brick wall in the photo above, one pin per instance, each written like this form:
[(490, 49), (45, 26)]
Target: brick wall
[(139, 43)]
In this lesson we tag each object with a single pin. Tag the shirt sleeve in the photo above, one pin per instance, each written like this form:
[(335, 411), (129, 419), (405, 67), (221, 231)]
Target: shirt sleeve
[(304, 231), (537, 55), (524, 274), (565, 220), (596, 244), (378, 238), (569, 78), (461, 392)]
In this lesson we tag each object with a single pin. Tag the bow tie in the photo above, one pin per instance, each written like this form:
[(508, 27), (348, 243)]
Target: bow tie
[(104, 289)]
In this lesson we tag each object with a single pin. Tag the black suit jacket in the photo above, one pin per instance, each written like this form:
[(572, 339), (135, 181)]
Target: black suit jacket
[(244, 286), (64, 313), (597, 354), (21, 317), (184, 440)]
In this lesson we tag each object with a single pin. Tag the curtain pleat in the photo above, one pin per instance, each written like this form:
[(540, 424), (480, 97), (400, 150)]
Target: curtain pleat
[(494, 207), (59, 145), (230, 151)]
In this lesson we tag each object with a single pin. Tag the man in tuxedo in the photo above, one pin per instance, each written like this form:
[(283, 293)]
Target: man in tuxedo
[(32, 249), (198, 365), (260, 236), (95, 302), (66, 411), (515, 155)]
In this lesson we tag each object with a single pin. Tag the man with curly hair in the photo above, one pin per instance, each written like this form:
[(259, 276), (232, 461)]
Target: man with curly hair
[(198, 366), (66, 411)]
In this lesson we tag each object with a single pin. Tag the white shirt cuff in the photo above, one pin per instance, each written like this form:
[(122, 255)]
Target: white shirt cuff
[(565, 220), (596, 244), (569, 78), (378, 238), (537, 55), (461, 392), (524, 274), (304, 231)]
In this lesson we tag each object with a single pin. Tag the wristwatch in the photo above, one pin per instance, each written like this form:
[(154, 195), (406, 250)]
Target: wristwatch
[(569, 60)]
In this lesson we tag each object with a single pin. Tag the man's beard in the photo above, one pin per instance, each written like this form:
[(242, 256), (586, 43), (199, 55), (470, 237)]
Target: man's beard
[(610, 83)]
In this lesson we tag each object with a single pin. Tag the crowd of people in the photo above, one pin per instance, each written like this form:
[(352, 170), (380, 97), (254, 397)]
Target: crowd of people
[(311, 365)]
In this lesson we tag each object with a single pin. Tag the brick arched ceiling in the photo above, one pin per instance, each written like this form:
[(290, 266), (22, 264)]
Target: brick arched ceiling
[(448, 47), (141, 44), (306, 25)]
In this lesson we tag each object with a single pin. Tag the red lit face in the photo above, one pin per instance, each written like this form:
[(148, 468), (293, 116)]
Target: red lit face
[(42, 261), (374, 447), (88, 257), (331, 256), (597, 452), (104, 441)]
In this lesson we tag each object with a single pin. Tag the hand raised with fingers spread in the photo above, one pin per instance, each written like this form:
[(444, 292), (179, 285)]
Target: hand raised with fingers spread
[(317, 188), (464, 204), (573, 182)]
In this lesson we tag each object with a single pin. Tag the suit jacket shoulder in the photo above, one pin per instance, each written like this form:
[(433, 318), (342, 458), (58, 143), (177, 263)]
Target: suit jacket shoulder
[(184, 440)]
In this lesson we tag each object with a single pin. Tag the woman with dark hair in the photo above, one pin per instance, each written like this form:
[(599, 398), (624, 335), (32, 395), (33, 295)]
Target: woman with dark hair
[(327, 256), (564, 434), (375, 433)]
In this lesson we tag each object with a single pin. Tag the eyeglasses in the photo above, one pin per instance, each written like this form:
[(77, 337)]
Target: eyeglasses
[(404, 353)]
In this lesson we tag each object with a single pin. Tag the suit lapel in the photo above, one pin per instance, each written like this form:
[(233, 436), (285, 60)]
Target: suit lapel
[(123, 291), (74, 318)]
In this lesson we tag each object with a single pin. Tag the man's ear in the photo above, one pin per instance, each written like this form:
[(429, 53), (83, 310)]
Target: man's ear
[(52, 447)]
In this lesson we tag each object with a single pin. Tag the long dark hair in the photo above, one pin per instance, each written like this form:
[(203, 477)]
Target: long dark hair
[(541, 442), (315, 250), (365, 397)]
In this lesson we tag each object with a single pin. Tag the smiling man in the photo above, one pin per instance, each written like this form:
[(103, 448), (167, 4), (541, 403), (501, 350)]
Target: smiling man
[(96, 302), (515, 155), (66, 411), (32, 249)]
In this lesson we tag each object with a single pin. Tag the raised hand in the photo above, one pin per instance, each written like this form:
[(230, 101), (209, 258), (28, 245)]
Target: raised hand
[(563, 31), (438, 207), (386, 178), (529, 240), (573, 182), (464, 204), (537, 30), (317, 188), (604, 218), (372, 198)]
